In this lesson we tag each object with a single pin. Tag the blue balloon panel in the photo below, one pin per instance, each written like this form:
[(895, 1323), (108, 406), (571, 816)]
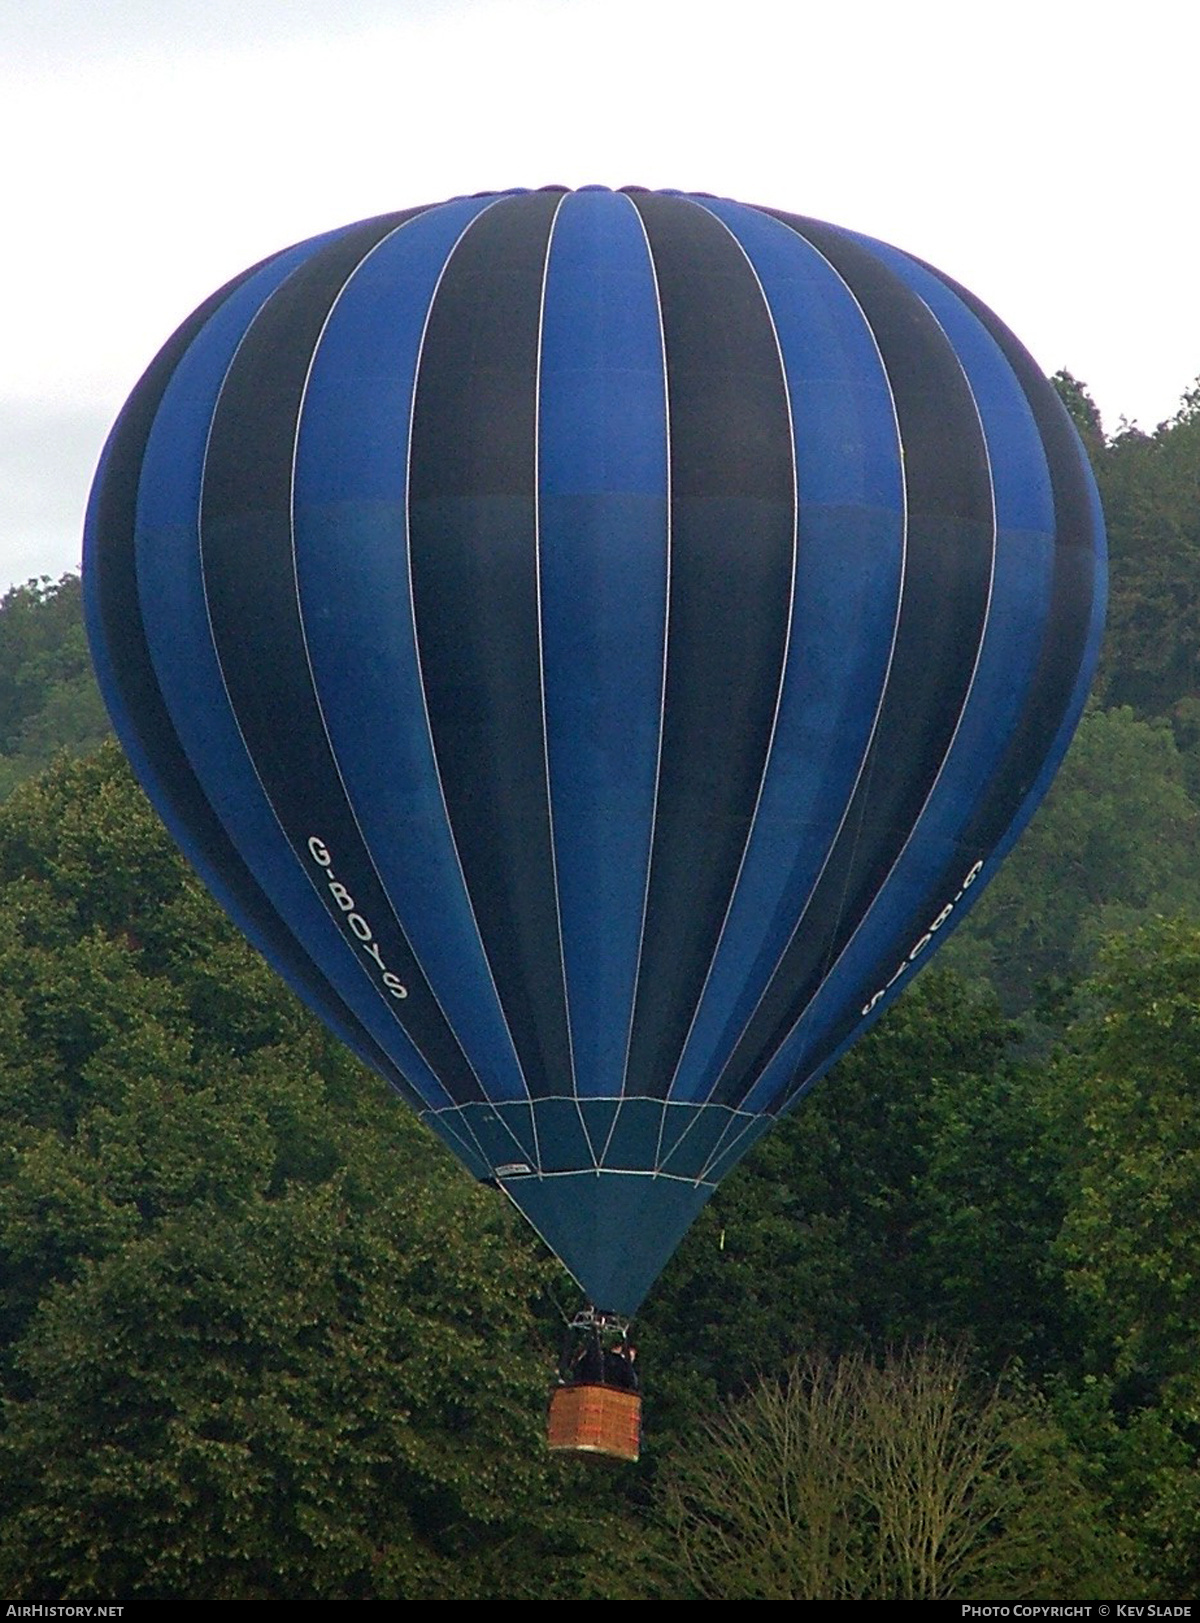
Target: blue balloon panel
[(596, 645)]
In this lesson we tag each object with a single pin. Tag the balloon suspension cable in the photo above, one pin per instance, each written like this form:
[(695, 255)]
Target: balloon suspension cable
[(609, 1327), (597, 1351), (567, 1315)]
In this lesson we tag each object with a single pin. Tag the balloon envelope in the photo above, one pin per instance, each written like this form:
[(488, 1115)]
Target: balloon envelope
[(596, 645)]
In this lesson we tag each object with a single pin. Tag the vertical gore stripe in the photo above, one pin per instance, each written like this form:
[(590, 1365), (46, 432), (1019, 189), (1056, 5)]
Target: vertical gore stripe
[(950, 540), (1063, 650), (111, 580), (1065, 630), (246, 547), (473, 548), (113, 573), (602, 522), (732, 553), (351, 540), (1072, 592)]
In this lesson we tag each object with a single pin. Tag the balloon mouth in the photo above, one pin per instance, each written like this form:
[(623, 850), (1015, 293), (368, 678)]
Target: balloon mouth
[(612, 1230)]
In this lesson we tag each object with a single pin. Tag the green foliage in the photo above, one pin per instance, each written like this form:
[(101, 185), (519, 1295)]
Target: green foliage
[(1150, 486), (1112, 847), (912, 1191), (850, 1480), (286, 1397), (49, 700), (1083, 412), (1150, 489), (1130, 1239), (259, 1336)]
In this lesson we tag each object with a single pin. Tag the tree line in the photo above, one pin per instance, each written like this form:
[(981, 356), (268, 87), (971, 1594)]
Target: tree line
[(260, 1338)]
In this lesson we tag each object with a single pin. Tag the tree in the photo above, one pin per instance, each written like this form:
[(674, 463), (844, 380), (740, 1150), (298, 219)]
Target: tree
[(1130, 1239), (318, 1394), (848, 1479), (915, 1190), (48, 695), (1112, 846), (259, 1336), (1083, 412), (1150, 485)]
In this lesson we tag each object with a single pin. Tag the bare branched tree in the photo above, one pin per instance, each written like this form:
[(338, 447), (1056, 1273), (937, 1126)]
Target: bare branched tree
[(904, 1479)]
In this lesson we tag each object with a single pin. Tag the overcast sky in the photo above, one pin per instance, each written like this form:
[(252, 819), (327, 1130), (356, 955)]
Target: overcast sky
[(1042, 153)]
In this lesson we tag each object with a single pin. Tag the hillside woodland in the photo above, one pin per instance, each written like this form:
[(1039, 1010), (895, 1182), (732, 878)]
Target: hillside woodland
[(260, 1338)]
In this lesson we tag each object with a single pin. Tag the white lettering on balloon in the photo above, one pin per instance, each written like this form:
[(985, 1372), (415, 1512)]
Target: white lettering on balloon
[(919, 946), (362, 932)]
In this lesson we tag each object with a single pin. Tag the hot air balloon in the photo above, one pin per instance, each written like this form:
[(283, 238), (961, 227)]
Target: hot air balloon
[(596, 644)]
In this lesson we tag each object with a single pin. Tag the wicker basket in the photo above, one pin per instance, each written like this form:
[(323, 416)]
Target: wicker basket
[(595, 1420)]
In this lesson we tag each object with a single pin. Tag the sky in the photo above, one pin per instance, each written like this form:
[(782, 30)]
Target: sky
[(1041, 153)]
